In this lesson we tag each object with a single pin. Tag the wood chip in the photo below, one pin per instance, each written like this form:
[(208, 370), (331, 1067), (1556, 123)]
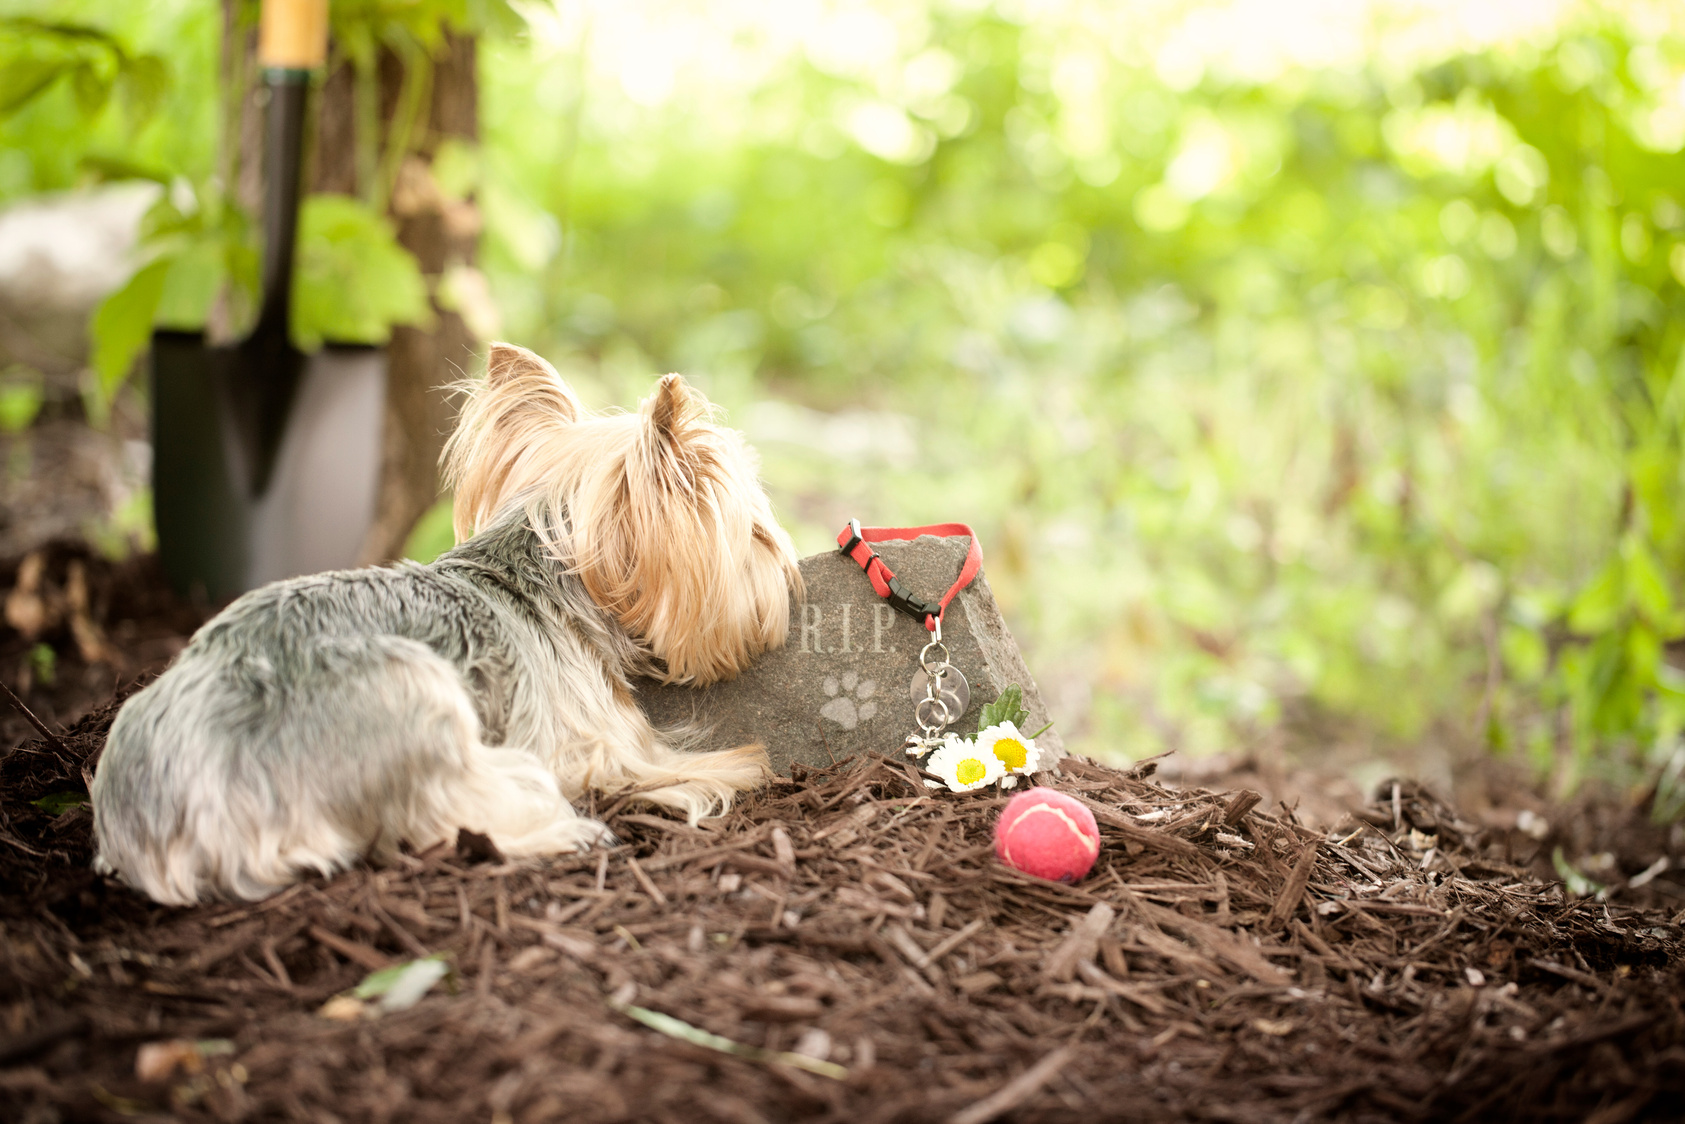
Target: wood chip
[(1080, 944), (351, 950), (649, 886), (1016, 1091), (1294, 891)]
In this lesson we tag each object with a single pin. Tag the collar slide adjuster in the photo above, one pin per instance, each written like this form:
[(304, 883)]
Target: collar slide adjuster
[(854, 538)]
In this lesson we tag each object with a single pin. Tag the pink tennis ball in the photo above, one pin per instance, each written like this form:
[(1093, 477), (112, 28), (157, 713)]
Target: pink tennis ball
[(1045, 833)]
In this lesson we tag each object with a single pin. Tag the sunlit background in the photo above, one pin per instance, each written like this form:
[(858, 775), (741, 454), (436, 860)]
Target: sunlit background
[(1311, 371)]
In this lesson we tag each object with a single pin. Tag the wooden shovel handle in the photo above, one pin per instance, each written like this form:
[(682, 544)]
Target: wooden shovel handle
[(293, 34)]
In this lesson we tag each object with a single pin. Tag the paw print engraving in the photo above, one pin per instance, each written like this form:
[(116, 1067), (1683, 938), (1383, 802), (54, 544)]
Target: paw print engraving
[(850, 700)]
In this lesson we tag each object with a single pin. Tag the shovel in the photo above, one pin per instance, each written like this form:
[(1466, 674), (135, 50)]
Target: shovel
[(266, 461)]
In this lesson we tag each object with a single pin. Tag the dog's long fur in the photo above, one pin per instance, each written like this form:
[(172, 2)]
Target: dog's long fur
[(324, 718)]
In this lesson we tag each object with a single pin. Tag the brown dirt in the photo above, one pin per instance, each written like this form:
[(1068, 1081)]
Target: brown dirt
[(1401, 965), (131, 627), (1250, 969), (1609, 835)]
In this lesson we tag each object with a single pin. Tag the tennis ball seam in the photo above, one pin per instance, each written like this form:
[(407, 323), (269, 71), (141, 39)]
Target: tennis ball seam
[(1089, 844)]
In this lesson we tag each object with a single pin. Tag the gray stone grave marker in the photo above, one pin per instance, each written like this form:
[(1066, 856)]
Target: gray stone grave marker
[(841, 684)]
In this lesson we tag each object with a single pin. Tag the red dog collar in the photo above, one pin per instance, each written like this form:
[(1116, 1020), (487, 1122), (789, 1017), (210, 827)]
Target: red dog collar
[(855, 540)]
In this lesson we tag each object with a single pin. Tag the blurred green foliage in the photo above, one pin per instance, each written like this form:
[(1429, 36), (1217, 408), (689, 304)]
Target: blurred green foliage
[(199, 250), (1350, 399), (354, 281), (36, 55), (1347, 401), (62, 62)]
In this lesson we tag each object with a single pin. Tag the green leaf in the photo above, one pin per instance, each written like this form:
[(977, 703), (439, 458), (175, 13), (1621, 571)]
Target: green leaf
[(1009, 707), (20, 398), (197, 272), (122, 325), (1653, 473), (434, 532), (1578, 884), (457, 168), (354, 282), (1646, 585), (145, 80), (1670, 688), (1643, 654), (402, 985), (1525, 652), (696, 1036), (92, 89), (22, 80), (43, 664), (497, 17), (58, 803), (1599, 604), (105, 167)]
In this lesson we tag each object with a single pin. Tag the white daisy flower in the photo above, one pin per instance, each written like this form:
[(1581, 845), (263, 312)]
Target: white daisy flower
[(963, 766), (1016, 751)]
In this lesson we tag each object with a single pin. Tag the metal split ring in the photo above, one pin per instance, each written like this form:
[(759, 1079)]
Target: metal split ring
[(943, 715), (934, 672)]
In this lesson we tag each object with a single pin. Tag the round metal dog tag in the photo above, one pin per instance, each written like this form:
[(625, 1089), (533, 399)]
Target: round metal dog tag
[(956, 692)]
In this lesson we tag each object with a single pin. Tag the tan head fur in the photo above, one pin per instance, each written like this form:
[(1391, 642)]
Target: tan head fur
[(659, 512)]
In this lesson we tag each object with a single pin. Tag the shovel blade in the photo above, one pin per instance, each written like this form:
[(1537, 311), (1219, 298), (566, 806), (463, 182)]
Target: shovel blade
[(320, 502), (215, 537)]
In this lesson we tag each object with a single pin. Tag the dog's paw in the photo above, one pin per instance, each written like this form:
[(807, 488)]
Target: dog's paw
[(850, 700), (560, 835), (593, 833)]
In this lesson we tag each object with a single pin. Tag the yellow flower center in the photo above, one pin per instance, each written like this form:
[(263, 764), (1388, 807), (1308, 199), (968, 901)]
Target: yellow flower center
[(970, 771), (1012, 753)]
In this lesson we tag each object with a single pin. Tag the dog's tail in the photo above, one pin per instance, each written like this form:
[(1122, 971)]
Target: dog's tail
[(693, 784)]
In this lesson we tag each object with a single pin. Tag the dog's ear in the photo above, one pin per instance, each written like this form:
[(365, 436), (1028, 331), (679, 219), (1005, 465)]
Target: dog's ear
[(507, 418), (676, 419), (673, 408), (520, 373)]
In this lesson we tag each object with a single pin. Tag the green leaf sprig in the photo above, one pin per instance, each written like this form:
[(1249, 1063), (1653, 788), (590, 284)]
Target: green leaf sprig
[(1009, 707)]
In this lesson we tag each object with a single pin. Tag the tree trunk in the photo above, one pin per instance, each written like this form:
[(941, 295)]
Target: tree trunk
[(441, 233), (421, 362)]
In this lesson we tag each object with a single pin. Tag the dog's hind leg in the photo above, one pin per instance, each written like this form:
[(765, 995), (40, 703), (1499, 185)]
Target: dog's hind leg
[(508, 795), (433, 770)]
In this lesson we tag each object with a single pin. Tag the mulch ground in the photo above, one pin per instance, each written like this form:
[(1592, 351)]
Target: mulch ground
[(1222, 963), (78, 626), (849, 934)]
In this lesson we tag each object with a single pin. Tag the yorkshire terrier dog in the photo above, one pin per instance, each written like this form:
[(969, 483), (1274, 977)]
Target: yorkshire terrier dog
[(325, 718)]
